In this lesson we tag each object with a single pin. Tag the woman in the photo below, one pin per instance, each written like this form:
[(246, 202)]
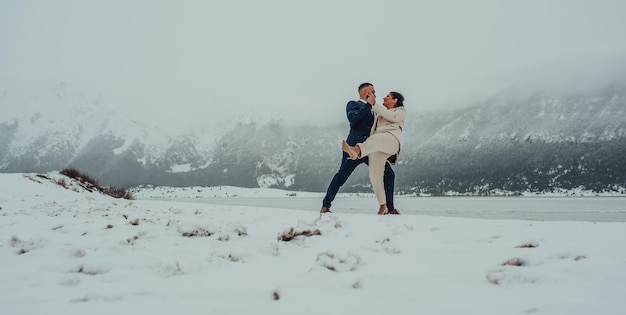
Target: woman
[(384, 141)]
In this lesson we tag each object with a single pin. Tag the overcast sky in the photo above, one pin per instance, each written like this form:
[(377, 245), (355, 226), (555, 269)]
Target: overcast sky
[(303, 60)]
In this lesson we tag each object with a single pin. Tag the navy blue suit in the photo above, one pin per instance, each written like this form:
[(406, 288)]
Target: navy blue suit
[(361, 119)]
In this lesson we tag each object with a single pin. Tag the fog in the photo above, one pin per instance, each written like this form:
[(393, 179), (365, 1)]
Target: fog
[(216, 62)]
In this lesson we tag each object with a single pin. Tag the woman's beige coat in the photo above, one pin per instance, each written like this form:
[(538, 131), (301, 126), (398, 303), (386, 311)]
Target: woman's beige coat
[(389, 120)]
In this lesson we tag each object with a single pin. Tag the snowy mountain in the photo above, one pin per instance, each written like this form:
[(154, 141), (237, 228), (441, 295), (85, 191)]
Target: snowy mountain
[(62, 126), (513, 141)]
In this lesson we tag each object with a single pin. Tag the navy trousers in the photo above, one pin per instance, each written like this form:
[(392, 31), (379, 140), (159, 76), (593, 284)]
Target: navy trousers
[(347, 167)]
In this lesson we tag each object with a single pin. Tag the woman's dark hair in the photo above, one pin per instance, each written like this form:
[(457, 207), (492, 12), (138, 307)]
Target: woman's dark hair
[(399, 97)]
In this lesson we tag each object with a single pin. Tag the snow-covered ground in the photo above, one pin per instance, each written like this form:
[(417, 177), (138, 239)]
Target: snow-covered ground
[(534, 207), (75, 252)]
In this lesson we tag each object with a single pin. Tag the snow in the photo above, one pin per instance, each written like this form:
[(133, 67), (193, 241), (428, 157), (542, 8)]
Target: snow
[(181, 168), (69, 251)]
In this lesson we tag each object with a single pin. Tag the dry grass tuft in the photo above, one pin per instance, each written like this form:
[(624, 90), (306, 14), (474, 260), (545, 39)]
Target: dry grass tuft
[(276, 295), (119, 193), (61, 182), (88, 272), (494, 278), (528, 245), (241, 231), (15, 240), (514, 262), (85, 180), (292, 233), (198, 232), (43, 176), (131, 240)]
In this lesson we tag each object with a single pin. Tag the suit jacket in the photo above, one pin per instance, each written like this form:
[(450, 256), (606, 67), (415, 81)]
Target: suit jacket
[(361, 119)]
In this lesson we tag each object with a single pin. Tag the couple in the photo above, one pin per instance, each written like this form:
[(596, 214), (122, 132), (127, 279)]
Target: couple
[(375, 136)]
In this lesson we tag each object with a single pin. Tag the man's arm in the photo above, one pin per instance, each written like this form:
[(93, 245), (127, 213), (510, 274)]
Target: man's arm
[(357, 111)]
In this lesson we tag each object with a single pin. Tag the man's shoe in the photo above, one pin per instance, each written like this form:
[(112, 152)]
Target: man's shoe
[(325, 210), (394, 211)]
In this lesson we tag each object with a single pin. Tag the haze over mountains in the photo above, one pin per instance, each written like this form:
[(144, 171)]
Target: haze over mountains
[(514, 141)]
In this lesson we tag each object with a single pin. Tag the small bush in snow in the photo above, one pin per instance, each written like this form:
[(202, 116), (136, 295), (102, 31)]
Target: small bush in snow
[(90, 184)]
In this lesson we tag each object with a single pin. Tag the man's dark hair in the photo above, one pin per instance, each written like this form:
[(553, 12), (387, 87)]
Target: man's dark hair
[(364, 85), (399, 97)]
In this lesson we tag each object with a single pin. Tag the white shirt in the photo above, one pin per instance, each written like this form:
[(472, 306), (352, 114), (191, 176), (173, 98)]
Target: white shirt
[(373, 112)]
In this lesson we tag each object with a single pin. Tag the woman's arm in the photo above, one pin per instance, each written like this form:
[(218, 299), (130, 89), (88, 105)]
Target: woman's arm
[(396, 115)]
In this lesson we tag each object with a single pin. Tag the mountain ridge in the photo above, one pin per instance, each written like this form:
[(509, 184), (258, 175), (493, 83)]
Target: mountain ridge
[(536, 141)]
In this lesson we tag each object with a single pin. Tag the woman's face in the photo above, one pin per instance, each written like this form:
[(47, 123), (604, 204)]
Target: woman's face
[(389, 101)]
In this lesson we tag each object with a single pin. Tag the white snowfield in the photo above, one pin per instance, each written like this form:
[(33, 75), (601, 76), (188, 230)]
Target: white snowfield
[(70, 251)]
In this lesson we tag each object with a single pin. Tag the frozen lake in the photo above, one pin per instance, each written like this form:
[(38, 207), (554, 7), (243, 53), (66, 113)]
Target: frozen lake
[(594, 209)]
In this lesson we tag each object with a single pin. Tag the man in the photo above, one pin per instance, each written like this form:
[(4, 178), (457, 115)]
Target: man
[(361, 118)]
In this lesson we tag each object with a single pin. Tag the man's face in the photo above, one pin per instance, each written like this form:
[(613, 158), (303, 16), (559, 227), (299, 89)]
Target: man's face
[(367, 91)]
